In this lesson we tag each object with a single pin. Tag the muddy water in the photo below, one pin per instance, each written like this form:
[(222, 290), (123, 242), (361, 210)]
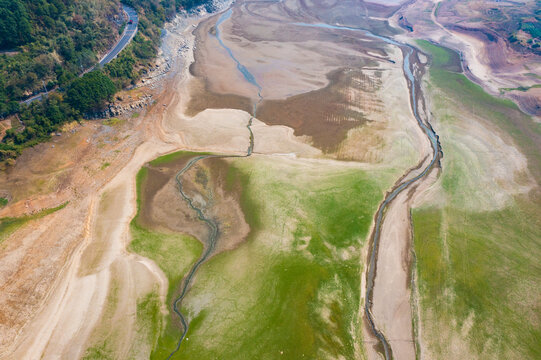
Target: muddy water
[(413, 83)]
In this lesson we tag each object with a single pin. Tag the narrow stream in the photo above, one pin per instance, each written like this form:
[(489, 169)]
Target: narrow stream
[(210, 222), (408, 50)]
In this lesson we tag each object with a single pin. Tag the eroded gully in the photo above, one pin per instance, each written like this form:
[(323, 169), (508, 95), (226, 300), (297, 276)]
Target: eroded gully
[(400, 186)]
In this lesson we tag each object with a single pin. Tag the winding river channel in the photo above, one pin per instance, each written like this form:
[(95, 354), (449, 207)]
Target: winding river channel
[(403, 184), (399, 187)]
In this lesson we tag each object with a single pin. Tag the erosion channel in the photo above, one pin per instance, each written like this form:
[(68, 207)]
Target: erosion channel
[(411, 73)]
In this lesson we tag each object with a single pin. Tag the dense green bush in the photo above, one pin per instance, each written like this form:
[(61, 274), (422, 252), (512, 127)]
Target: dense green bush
[(37, 120), (15, 26), (91, 92)]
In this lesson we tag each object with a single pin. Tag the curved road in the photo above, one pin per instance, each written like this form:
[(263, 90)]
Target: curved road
[(127, 36), (129, 32)]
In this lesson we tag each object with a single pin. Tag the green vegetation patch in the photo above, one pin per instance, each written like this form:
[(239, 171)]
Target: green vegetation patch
[(478, 268), (149, 317), (106, 332), (172, 157), (174, 253), (442, 58), (113, 121), (521, 88), (484, 267), (293, 289), (9, 225)]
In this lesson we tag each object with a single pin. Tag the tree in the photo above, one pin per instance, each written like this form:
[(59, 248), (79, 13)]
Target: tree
[(91, 92), (15, 26)]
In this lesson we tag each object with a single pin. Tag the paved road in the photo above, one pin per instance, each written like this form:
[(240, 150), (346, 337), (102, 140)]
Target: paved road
[(129, 33), (127, 36)]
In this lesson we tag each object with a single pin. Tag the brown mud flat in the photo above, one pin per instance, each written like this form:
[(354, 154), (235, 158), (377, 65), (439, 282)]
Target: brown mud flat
[(202, 98), (206, 183), (528, 101), (326, 115), (345, 12)]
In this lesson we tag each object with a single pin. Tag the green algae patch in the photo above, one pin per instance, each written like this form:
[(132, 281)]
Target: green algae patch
[(292, 290), (9, 225), (149, 317), (99, 352), (173, 157), (478, 242), (442, 58), (105, 335), (173, 253), (482, 271)]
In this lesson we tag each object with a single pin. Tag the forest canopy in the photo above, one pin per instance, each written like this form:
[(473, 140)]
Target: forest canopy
[(47, 44), (91, 92)]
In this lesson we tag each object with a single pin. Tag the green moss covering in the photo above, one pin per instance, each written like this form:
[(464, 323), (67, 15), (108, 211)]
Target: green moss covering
[(292, 290), (442, 58), (149, 317), (478, 270), (168, 158), (492, 272)]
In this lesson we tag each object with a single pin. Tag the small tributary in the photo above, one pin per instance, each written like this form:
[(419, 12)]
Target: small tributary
[(211, 223), (413, 84)]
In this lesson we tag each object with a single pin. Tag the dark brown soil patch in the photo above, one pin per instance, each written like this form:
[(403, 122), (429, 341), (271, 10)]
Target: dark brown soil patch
[(327, 114), (163, 208), (209, 178), (202, 98), (156, 178)]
